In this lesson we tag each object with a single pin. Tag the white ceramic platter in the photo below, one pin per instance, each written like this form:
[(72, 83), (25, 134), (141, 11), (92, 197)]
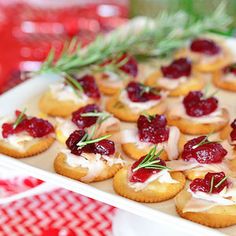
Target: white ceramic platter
[(41, 166)]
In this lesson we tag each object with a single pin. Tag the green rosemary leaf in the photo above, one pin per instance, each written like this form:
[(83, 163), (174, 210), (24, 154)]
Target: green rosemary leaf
[(93, 114), (83, 143), (221, 182), (75, 83), (73, 88), (19, 119), (212, 184)]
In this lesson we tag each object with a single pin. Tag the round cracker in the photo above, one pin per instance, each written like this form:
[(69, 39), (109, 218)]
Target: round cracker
[(62, 168), (124, 113), (193, 83), (216, 217), (188, 127), (37, 146), (220, 83), (49, 105), (153, 192)]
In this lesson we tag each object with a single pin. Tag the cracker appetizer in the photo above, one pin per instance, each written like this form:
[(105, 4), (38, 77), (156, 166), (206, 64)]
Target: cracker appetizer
[(152, 130), (148, 180), (136, 99), (177, 78), (124, 69), (209, 201), (67, 96), (200, 155), (85, 118), (197, 114), (87, 159), (24, 136), (225, 78), (207, 55)]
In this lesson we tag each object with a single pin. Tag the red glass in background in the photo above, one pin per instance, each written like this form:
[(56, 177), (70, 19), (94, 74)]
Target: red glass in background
[(28, 32)]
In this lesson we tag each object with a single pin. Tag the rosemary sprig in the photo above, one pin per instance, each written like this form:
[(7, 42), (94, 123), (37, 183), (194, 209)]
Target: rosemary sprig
[(87, 141), (94, 114), (212, 184), (205, 141), (217, 185), (19, 119), (151, 161), (221, 182), (75, 83), (157, 37), (148, 89), (149, 117)]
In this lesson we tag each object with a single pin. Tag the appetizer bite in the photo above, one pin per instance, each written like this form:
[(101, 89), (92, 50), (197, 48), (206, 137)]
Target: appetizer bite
[(115, 74), (24, 136), (148, 180), (152, 130), (225, 78), (136, 99), (87, 159), (209, 201), (200, 155), (207, 55), (85, 118), (198, 114), (177, 78), (67, 96)]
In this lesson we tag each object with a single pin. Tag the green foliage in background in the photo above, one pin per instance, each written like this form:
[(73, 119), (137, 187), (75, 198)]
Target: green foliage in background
[(197, 8)]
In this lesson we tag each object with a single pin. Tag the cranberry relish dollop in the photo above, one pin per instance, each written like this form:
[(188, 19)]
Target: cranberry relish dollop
[(205, 46), (203, 151), (212, 183), (178, 68), (138, 92), (103, 147), (35, 127), (153, 129), (196, 105), (233, 132), (142, 174), (89, 86), (84, 122)]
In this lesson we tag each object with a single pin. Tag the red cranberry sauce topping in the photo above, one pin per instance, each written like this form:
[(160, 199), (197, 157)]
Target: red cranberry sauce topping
[(103, 147), (233, 132), (196, 105), (205, 46), (153, 129), (178, 68), (212, 183), (230, 69), (35, 127), (84, 122), (89, 85), (137, 92), (203, 151), (142, 174), (130, 67)]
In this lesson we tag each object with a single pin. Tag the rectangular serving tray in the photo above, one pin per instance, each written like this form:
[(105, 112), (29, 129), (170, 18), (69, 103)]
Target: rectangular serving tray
[(41, 166)]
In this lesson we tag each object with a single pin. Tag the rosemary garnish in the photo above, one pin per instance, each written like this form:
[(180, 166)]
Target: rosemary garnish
[(212, 184), (149, 117), (221, 182), (152, 161), (19, 119), (148, 89), (75, 83), (92, 114), (85, 140), (217, 185), (158, 37), (205, 141)]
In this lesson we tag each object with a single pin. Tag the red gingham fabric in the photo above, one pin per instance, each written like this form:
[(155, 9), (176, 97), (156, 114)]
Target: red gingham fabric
[(57, 213)]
